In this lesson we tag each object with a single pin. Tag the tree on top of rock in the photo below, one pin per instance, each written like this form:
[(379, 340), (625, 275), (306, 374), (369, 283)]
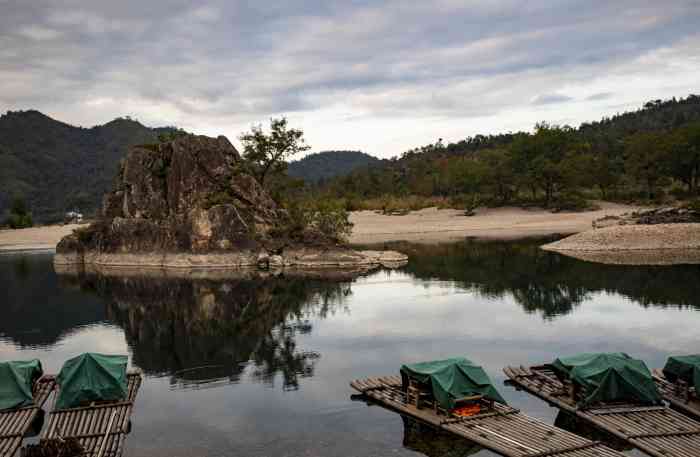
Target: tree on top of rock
[(268, 153)]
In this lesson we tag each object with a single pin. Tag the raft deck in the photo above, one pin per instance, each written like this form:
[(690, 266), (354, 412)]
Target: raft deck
[(101, 428), (656, 430), (504, 430), (15, 423), (686, 402)]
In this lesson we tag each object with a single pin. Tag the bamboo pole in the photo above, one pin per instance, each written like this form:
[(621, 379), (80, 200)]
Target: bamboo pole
[(104, 439)]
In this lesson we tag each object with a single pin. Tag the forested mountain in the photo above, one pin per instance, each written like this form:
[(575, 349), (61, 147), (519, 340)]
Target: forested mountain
[(329, 164), (642, 154), (56, 167), (646, 153)]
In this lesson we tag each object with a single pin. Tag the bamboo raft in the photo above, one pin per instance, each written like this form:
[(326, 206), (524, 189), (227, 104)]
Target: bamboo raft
[(504, 430), (656, 430), (101, 428), (15, 423), (683, 398)]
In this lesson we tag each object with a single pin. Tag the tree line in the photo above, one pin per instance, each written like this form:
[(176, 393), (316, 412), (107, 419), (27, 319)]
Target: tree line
[(642, 155)]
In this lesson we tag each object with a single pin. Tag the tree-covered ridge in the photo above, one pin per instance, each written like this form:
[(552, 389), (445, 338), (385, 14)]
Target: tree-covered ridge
[(639, 154), (56, 167), (328, 164)]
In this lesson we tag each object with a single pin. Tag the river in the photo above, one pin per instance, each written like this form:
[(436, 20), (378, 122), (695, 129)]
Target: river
[(251, 366)]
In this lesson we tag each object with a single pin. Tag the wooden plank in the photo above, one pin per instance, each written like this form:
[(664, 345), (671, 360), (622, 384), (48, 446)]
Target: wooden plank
[(504, 430)]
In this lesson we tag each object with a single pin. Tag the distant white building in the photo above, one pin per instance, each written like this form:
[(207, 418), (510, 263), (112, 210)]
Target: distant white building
[(73, 217)]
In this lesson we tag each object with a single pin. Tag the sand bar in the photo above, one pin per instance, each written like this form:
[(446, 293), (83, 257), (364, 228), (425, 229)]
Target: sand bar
[(659, 244), (632, 238), (440, 225), (35, 238)]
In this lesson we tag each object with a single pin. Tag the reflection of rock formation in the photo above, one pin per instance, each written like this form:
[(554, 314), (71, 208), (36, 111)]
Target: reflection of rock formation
[(547, 282), (433, 442), (203, 330)]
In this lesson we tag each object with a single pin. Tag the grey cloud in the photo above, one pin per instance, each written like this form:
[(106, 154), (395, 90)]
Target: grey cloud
[(243, 61), (548, 99), (600, 96)]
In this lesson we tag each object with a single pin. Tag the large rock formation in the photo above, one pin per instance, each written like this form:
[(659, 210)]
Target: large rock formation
[(191, 203)]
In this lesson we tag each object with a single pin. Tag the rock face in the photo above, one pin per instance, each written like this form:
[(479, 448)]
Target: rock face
[(191, 203)]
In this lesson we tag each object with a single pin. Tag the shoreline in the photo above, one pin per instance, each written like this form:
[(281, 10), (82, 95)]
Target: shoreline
[(430, 225)]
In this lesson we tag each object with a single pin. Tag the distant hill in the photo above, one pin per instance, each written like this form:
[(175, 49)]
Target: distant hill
[(57, 167), (329, 164)]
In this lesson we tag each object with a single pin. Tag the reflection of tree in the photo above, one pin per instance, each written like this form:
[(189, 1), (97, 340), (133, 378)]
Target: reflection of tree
[(277, 353), (432, 442), (546, 282), (211, 331)]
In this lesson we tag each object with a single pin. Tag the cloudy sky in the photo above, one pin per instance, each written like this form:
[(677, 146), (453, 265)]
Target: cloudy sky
[(380, 76)]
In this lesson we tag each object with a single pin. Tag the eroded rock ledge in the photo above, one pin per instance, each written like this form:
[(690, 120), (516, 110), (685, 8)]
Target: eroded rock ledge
[(297, 258), (191, 203)]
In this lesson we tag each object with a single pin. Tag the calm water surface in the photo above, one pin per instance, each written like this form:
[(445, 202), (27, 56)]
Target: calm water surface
[(261, 367)]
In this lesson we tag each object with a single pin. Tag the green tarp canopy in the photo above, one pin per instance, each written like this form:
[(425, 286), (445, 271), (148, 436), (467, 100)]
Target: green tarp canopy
[(16, 381), (451, 379), (91, 377), (685, 368), (609, 377)]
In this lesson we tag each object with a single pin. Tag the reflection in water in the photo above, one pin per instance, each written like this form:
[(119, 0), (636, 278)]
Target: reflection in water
[(205, 331), (576, 425), (198, 331), (33, 315), (547, 282), (433, 442)]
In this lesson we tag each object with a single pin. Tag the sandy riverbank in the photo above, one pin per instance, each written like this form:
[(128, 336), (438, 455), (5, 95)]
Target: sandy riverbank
[(433, 226), (35, 238), (425, 226)]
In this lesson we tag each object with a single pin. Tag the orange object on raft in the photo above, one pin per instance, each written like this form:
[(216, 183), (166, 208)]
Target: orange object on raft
[(467, 411)]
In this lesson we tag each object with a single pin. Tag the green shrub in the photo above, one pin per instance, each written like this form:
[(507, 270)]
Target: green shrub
[(20, 217), (328, 218), (19, 221), (694, 205), (679, 192), (468, 202), (571, 201), (300, 218), (332, 219)]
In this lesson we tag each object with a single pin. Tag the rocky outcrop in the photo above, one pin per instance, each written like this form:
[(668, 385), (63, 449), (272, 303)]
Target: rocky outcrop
[(191, 203), (665, 215)]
